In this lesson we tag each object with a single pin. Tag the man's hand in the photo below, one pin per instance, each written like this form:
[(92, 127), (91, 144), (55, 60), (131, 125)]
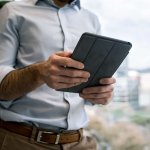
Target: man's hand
[(100, 94), (60, 71)]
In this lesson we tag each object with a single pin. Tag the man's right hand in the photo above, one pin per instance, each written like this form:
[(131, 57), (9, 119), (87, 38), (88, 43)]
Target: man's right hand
[(60, 71)]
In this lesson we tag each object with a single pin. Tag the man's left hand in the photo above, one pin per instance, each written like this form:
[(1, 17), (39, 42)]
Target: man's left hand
[(100, 94)]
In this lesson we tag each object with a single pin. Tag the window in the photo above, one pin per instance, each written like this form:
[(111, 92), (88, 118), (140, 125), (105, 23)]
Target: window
[(124, 123)]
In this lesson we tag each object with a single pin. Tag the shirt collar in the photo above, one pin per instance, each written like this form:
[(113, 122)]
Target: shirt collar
[(72, 2)]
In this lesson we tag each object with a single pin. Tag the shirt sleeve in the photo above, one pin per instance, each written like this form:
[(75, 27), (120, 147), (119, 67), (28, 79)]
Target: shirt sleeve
[(8, 40)]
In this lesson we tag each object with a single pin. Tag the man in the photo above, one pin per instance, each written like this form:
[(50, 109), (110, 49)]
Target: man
[(37, 38)]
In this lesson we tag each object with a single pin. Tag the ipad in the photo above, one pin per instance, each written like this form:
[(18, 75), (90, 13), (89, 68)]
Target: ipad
[(101, 56)]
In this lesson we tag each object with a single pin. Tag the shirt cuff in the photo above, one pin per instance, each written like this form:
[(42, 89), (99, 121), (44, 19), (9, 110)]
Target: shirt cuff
[(4, 70)]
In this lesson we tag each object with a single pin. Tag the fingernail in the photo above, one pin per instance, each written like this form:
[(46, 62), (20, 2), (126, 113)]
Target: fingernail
[(101, 81), (82, 66), (85, 80), (88, 75)]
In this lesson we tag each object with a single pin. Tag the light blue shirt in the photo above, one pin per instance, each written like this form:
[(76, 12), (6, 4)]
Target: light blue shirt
[(31, 31)]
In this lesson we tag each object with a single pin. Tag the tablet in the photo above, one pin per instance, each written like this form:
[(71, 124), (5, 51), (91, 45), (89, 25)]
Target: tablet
[(101, 56)]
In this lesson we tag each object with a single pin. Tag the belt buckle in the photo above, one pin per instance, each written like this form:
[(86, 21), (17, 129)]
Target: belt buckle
[(39, 136)]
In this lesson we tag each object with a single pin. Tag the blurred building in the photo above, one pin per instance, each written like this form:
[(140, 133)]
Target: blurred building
[(134, 89), (121, 86), (128, 86)]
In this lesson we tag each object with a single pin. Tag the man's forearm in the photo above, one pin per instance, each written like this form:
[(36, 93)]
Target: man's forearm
[(19, 82)]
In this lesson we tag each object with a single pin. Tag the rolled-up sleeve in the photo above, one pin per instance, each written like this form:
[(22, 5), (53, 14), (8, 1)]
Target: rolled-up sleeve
[(9, 40)]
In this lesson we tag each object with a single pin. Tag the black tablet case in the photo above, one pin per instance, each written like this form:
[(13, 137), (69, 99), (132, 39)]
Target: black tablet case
[(101, 56)]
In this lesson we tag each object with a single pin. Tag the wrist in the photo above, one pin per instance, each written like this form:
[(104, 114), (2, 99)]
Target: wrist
[(41, 71), (37, 69)]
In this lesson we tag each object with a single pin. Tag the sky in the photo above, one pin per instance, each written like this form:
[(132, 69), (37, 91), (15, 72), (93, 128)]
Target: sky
[(127, 20)]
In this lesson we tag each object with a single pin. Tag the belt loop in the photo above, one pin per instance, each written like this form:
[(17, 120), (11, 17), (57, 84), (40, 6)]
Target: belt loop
[(1, 123), (80, 134), (33, 134)]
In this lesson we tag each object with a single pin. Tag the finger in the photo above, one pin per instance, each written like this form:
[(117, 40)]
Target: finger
[(101, 101), (64, 53), (75, 73), (98, 89), (63, 85), (68, 80), (66, 61), (69, 72), (108, 81), (97, 96)]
